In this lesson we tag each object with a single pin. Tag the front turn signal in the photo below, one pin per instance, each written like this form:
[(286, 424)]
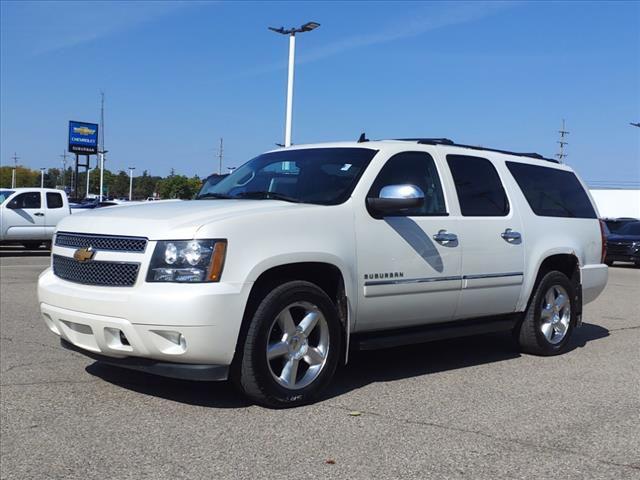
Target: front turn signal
[(217, 261)]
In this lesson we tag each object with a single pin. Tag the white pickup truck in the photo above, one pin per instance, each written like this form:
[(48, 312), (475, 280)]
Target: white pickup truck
[(303, 253), (29, 216)]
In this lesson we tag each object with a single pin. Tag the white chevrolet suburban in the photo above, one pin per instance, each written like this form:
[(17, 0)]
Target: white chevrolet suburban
[(273, 274)]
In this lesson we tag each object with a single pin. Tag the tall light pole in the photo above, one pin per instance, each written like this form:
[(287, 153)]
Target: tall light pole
[(101, 153), (307, 27), (42, 177), (131, 169), (88, 176)]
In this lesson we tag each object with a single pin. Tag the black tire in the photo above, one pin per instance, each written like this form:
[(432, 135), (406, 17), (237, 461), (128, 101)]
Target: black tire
[(31, 245), (608, 262), (253, 374), (529, 334)]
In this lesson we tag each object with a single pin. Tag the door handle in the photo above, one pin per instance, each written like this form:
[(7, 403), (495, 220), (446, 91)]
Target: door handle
[(510, 236), (445, 237), (38, 214)]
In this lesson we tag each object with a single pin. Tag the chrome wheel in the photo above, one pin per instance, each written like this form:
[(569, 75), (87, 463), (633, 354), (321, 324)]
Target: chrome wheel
[(555, 314), (298, 345)]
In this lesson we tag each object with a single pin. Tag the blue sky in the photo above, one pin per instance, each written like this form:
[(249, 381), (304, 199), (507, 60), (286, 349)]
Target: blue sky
[(179, 75)]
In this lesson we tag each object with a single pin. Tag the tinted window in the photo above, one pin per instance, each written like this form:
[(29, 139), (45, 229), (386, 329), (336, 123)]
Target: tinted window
[(551, 192), (478, 185), (54, 200), (632, 228), (413, 168), (26, 200), (324, 176)]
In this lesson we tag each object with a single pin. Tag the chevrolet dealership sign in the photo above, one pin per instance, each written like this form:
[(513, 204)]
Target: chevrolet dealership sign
[(83, 138)]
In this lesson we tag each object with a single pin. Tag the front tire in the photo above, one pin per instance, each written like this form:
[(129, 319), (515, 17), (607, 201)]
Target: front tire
[(550, 317), (292, 346)]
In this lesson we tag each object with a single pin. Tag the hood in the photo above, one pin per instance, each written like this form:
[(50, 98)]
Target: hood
[(166, 220), (615, 237)]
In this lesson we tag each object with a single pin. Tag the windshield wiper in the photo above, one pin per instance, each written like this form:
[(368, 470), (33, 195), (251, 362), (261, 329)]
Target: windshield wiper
[(267, 196), (213, 195)]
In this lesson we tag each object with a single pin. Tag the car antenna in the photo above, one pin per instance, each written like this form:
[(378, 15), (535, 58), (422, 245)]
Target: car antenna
[(363, 138)]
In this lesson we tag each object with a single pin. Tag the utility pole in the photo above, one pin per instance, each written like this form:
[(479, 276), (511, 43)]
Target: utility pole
[(42, 177), (131, 169), (220, 154), (64, 168), (563, 133), (15, 167)]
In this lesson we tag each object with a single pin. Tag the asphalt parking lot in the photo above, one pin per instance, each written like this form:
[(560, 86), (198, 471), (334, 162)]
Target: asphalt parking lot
[(466, 408)]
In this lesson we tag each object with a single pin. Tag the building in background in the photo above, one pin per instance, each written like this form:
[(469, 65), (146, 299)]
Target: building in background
[(617, 202)]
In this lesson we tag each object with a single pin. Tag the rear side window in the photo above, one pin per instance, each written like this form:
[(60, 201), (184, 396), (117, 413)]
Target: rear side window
[(478, 185), (26, 200), (413, 168), (54, 200), (551, 192)]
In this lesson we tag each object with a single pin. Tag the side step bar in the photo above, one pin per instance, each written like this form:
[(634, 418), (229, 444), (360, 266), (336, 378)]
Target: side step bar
[(433, 332)]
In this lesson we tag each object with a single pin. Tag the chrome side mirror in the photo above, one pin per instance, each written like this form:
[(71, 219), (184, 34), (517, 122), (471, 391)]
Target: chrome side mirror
[(395, 199)]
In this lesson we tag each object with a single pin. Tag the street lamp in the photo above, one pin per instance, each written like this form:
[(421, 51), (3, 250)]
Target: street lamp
[(42, 177), (307, 27), (131, 169), (102, 152)]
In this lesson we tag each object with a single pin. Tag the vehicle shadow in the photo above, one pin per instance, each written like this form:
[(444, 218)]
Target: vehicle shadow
[(364, 368), (19, 251)]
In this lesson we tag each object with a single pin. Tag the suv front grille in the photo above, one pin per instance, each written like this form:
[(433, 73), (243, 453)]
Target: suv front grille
[(101, 242), (618, 248), (108, 274)]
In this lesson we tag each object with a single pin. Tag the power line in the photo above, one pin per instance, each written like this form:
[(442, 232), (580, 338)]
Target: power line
[(64, 168), (15, 168), (220, 156), (563, 133)]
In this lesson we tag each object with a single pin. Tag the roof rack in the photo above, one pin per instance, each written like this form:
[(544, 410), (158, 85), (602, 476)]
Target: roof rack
[(446, 141)]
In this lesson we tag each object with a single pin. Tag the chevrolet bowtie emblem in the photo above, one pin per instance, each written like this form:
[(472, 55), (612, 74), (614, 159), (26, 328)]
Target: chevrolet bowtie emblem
[(84, 254)]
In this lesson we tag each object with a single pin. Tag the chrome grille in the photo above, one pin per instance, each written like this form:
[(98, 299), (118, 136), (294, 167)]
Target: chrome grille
[(101, 242), (618, 248), (108, 274)]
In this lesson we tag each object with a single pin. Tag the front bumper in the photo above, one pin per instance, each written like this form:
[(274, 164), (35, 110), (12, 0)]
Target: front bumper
[(182, 371), (194, 324)]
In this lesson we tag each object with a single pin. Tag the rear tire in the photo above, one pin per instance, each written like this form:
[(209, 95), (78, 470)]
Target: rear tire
[(292, 346), (550, 318)]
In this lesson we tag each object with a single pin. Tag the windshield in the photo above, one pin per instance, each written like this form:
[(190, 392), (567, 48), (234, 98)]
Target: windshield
[(4, 194), (632, 228), (325, 176)]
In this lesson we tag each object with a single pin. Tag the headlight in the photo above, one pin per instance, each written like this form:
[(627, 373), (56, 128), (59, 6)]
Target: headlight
[(187, 261)]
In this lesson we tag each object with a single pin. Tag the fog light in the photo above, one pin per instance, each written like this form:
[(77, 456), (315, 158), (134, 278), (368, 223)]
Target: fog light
[(172, 343)]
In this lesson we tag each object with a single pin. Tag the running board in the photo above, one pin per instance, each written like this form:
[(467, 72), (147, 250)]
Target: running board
[(429, 333)]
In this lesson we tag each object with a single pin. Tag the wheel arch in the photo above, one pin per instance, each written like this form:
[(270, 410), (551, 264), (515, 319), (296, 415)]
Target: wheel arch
[(563, 260), (327, 275)]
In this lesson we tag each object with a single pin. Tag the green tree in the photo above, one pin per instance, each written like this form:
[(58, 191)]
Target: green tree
[(25, 177), (179, 186)]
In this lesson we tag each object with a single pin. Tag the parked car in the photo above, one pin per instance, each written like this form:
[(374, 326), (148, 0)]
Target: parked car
[(624, 245), (91, 203), (306, 253), (28, 216), (211, 181)]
